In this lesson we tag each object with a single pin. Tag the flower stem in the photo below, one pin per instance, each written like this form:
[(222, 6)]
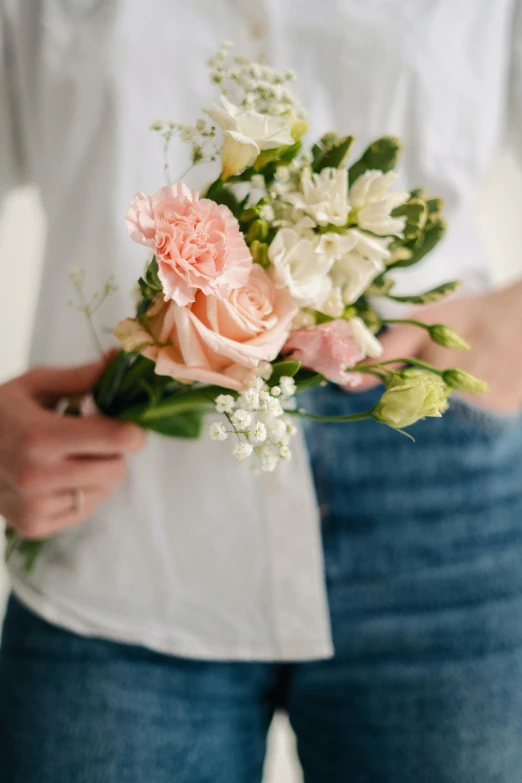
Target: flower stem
[(405, 321), (351, 417), (399, 360)]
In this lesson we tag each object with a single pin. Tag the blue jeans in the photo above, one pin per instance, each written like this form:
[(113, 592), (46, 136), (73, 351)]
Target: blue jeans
[(423, 552)]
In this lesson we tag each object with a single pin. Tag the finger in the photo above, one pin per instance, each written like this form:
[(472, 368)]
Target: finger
[(402, 341), (93, 435), (46, 515), (62, 381), (67, 474)]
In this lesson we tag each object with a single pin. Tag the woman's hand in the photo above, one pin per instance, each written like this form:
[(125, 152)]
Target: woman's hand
[(49, 462), (492, 324)]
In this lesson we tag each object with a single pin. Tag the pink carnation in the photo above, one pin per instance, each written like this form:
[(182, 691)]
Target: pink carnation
[(328, 349), (197, 242)]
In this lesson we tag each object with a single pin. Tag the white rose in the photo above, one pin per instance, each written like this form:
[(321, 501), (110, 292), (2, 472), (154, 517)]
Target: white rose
[(246, 133), (297, 267), (324, 197)]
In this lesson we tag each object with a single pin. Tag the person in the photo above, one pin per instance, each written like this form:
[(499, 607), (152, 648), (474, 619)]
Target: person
[(178, 602)]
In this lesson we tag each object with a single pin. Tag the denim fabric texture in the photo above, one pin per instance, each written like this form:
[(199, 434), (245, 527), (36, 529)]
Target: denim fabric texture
[(423, 553)]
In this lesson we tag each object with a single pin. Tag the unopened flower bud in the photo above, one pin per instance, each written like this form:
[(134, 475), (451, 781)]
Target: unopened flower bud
[(407, 400), (460, 379), (448, 338)]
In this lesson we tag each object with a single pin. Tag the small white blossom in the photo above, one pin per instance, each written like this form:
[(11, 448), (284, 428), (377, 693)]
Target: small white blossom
[(269, 464), (282, 174), (373, 204), (284, 452), (275, 391), (258, 181), (225, 403), (242, 450), (288, 386), (277, 430), (264, 370), (273, 407), (249, 399), (355, 270), (217, 431), (267, 213), (256, 383), (241, 419), (291, 428), (324, 197), (257, 434)]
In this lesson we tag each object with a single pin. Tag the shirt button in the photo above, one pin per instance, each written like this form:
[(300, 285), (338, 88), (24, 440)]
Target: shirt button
[(257, 30)]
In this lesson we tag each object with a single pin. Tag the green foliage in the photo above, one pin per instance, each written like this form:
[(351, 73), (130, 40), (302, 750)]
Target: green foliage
[(382, 155), (287, 367), (281, 155), (415, 211), (150, 284), (188, 425), (428, 297), (307, 379), (331, 151)]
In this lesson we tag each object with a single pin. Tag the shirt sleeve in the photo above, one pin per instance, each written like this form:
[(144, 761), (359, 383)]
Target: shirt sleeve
[(13, 160)]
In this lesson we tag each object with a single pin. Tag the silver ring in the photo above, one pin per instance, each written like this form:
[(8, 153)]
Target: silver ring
[(78, 500)]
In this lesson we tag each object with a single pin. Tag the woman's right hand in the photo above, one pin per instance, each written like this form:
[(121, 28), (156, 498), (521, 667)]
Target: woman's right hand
[(55, 470)]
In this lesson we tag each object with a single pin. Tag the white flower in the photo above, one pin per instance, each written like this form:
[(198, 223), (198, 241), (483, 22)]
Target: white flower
[(291, 428), (258, 181), (264, 371), (273, 407), (275, 391), (282, 174), (373, 204), (367, 341), (355, 270), (225, 403), (298, 267), (241, 419), (288, 386), (257, 382), (246, 133), (303, 320), (269, 458), (277, 430), (217, 431), (242, 450), (335, 246), (258, 433), (324, 197), (249, 400), (284, 452), (267, 213), (333, 305)]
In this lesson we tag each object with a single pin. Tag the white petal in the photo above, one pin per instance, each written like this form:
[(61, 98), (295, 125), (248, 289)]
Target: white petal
[(366, 340), (238, 153)]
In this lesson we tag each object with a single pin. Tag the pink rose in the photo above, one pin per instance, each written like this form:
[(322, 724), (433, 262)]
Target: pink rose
[(198, 244), (214, 341), (328, 349)]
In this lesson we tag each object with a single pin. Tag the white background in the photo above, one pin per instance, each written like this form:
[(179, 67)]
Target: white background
[(22, 236)]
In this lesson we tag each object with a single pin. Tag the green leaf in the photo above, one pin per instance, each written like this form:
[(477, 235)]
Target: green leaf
[(435, 205), (415, 212), (108, 385), (150, 284), (331, 151), (288, 367), (381, 286), (276, 155), (225, 196), (307, 379), (186, 425), (429, 297), (381, 155)]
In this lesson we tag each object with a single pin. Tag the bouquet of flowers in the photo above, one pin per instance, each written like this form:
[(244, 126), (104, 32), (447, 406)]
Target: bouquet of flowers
[(265, 285)]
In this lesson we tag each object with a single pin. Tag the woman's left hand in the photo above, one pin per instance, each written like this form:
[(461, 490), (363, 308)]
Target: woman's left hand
[(491, 323)]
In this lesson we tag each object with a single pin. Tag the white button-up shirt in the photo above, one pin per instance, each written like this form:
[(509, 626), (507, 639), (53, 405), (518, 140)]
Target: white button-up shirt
[(194, 556)]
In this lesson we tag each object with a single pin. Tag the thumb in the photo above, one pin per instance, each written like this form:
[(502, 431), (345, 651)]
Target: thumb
[(398, 342), (55, 382)]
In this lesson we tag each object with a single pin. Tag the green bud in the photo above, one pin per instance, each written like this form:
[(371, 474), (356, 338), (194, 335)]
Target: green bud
[(259, 252), (448, 338), (407, 400), (258, 230), (460, 379)]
